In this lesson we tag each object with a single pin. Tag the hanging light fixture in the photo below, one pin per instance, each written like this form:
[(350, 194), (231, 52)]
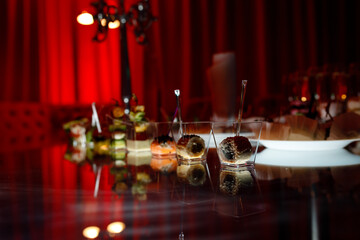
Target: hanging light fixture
[(111, 17), (107, 17)]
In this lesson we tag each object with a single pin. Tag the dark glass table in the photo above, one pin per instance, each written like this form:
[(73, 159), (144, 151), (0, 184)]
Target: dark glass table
[(43, 195)]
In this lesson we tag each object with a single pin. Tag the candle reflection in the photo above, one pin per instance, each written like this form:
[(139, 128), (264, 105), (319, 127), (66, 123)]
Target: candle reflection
[(91, 232), (115, 228)]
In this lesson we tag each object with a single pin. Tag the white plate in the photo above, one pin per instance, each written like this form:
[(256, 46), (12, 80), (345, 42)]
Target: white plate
[(331, 158), (307, 145)]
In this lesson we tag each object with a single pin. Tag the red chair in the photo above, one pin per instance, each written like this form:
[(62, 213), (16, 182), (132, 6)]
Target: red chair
[(24, 125)]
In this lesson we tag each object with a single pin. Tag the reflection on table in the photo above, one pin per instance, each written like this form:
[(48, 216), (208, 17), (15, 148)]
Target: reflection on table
[(46, 194)]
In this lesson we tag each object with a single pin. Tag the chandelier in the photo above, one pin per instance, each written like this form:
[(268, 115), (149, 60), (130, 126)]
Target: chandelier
[(108, 16)]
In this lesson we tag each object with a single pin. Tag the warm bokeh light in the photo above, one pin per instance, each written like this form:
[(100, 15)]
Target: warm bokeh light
[(343, 97), (103, 22), (115, 24), (85, 18), (116, 227), (91, 232), (303, 99)]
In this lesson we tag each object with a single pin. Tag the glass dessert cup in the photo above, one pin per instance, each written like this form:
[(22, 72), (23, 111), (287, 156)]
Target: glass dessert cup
[(192, 140), (163, 144), (236, 143), (139, 136)]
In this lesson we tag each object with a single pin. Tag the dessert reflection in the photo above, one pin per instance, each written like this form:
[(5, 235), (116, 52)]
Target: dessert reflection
[(235, 182), (194, 184), (139, 168), (238, 193), (76, 154), (76, 130), (121, 175), (164, 165), (139, 186), (193, 174), (131, 173)]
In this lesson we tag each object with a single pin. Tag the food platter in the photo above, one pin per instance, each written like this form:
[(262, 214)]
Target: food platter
[(307, 145)]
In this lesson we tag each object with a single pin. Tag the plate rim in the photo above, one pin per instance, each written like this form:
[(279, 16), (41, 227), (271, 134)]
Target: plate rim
[(304, 145)]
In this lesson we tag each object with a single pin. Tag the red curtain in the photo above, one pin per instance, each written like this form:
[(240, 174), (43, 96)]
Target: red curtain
[(46, 56)]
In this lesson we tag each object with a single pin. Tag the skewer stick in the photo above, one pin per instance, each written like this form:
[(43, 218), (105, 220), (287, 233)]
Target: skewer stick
[(172, 121), (96, 117), (97, 182), (177, 94), (181, 235), (242, 97)]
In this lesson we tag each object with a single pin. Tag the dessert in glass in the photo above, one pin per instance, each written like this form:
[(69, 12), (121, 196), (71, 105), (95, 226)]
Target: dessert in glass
[(140, 131), (130, 130), (163, 144), (192, 140), (139, 136), (237, 143)]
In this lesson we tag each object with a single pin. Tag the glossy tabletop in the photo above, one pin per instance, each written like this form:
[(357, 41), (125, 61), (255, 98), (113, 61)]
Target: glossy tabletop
[(44, 195)]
